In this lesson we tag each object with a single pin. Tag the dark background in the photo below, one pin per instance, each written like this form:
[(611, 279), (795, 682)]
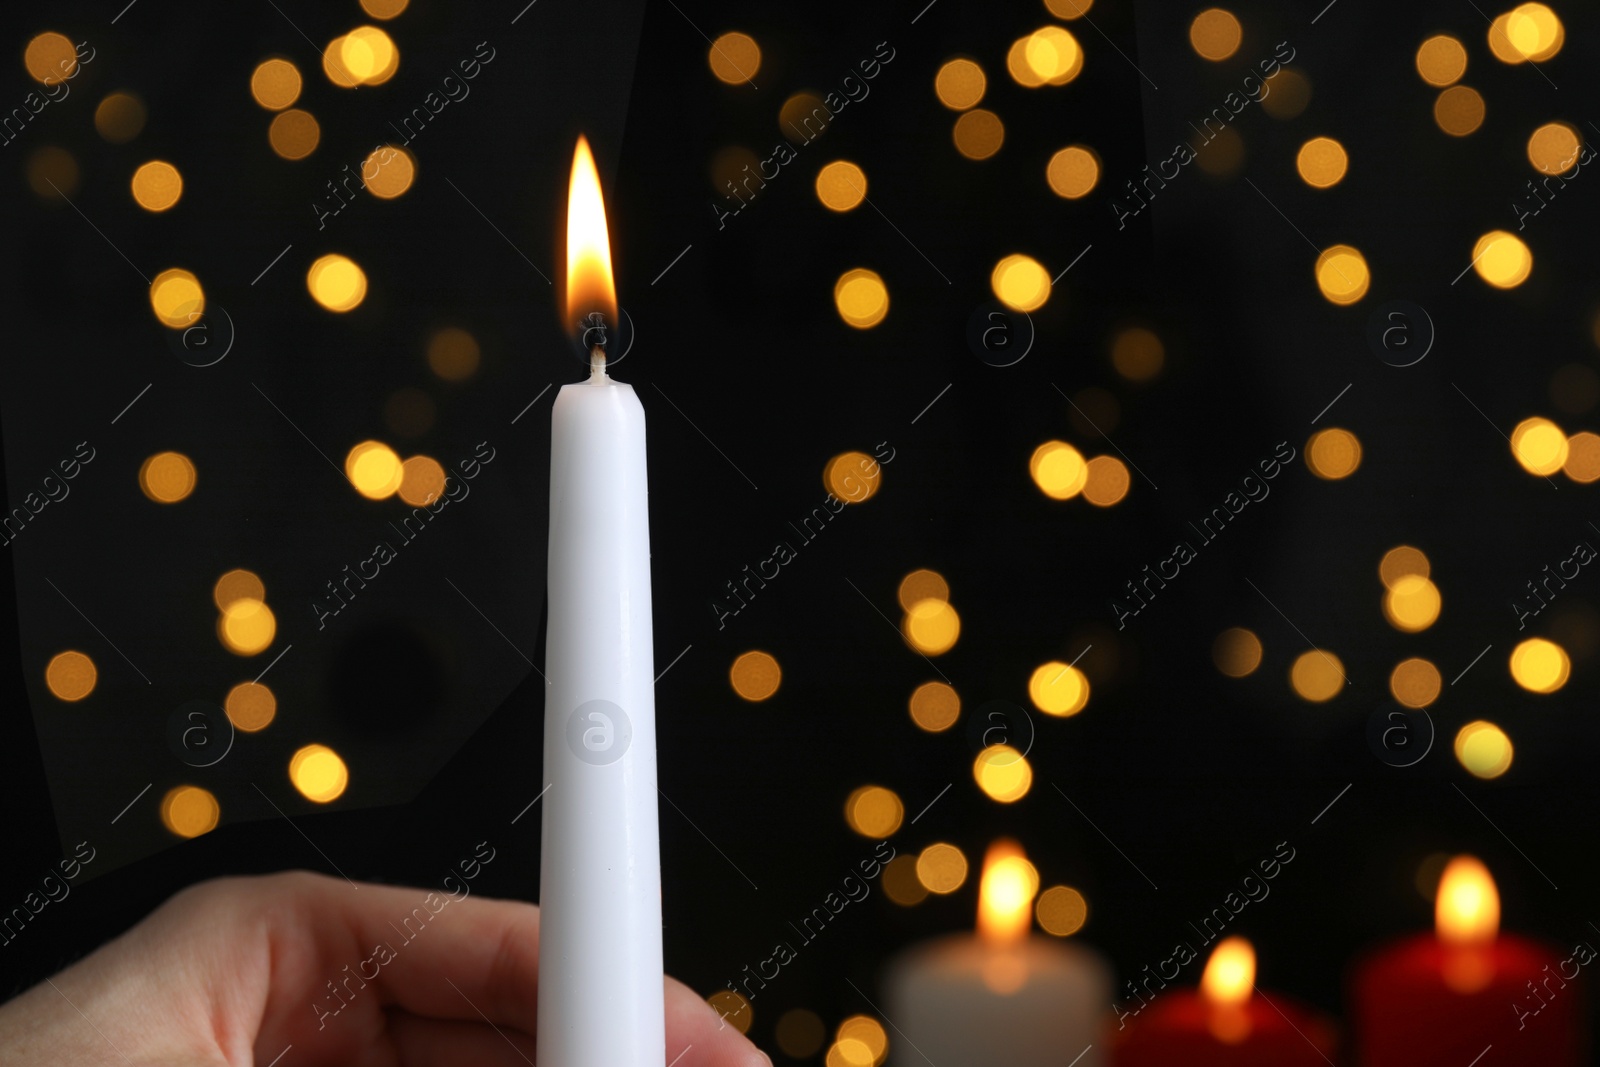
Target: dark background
[(1193, 776)]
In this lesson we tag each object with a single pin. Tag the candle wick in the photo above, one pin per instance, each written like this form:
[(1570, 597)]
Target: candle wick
[(597, 364)]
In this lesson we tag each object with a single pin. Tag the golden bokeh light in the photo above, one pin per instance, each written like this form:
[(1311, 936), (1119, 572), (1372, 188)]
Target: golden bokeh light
[(848, 1053), (1539, 665), (294, 134), (922, 584), (70, 675), (1019, 68), (1215, 34), (1342, 274), (52, 172), (942, 868), (931, 627), (1073, 172), (900, 881), (336, 283), (177, 299), (189, 811), (734, 1009), (1020, 282), (319, 773), (853, 477), (1441, 60), (388, 171), (1059, 470), (867, 1032), (1459, 110), (275, 84), (978, 134), (422, 480), (246, 627), (1583, 458), (1553, 148), (333, 65), (800, 1033), (1317, 676), (1137, 354), (1534, 32), (1236, 652), (1333, 454), (251, 707), (755, 675), (384, 9), (1415, 682), (1288, 93), (1058, 689), (1002, 773), (1501, 259), (236, 584), (1322, 162), (873, 811), (368, 55), (157, 185), (861, 297), (167, 477), (1061, 911), (1400, 561), (1483, 749), (960, 84), (1540, 446), (50, 58), (1412, 603), (1106, 481), (374, 469), (1067, 10), (841, 185), (120, 117), (453, 354), (935, 706), (1053, 55), (735, 58)]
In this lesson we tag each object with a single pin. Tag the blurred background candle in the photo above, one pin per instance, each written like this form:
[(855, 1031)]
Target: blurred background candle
[(1228, 1022), (1444, 998), (1004, 996)]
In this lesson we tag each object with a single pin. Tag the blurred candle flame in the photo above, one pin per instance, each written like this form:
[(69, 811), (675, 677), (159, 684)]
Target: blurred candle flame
[(1467, 918), (590, 286), (1005, 913), (1226, 985)]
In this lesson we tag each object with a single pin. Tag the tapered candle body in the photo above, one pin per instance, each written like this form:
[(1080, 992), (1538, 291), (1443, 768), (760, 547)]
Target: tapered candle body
[(1267, 1030), (600, 967)]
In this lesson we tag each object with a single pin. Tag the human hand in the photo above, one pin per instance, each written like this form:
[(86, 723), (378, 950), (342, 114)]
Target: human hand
[(264, 971)]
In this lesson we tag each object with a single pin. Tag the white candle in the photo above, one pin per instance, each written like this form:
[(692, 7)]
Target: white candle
[(600, 966), (1005, 996)]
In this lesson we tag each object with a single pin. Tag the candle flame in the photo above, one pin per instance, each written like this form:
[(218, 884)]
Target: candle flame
[(590, 286), (1005, 895), (1230, 973), (1467, 909)]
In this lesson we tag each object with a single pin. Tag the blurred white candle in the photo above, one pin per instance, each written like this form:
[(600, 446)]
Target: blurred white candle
[(600, 966)]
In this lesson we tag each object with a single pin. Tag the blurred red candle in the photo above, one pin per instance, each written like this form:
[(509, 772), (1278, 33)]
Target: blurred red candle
[(1447, 998), (1227, 1022)]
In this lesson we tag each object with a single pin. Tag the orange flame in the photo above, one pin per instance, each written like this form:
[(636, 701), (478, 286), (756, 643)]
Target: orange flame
[(590, 286), (1226, 985), (1467, 909), (1005, 895)]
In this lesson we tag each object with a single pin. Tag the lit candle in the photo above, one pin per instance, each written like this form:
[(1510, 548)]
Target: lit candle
[(1227, 1022), (1445, 997), (600, 984), (1004, 996)]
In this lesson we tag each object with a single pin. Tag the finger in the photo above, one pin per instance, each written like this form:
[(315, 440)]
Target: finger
[(421, 1042), (702, 1037)]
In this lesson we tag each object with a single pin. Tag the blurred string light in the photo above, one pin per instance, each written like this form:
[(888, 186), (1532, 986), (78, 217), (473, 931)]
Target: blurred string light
[(1137, 354), (247, 626), (960, 84), (294, 134), (120, 117), (1459, 110), (734, 1009), (1402, 561), (874, 811), (70, 675), (1539, 446), (935, 706), (978, 134), (1067, 10), (1236, 652), (1061, 911), (422, 480), (735, 58), (1058, 689), (1287, 94), (941, 868), (1053, 55), (374, 469), (1415, 682), (177, 298), (922, 584), (189, 811), (1059, 470), (1583, 458), (388, 171), (157, 185), (236, 585), (931, 627), (319, 773), (846, 477), (1483, 749), (52, 172), (1441, 60), (368, 55), (1526, 33), (841, 185), (799, 1033), (1106, 481), (1215, 34), (1412, 604), (848, 1053), (333, 65), (50, 58), (1539, 665), (803, 117), (900, 882), (384, 9), (1073, 172), (275, 84), (251, 707), (1342, 274), (1553, 148), (453, 354), (1501, 259), (1317, 676), (1020, 282), (167, 477), (1322, 162), (755, 676), (1333, 454), (336, 282), (861, 297), (1003, 773), (869, 1034)]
